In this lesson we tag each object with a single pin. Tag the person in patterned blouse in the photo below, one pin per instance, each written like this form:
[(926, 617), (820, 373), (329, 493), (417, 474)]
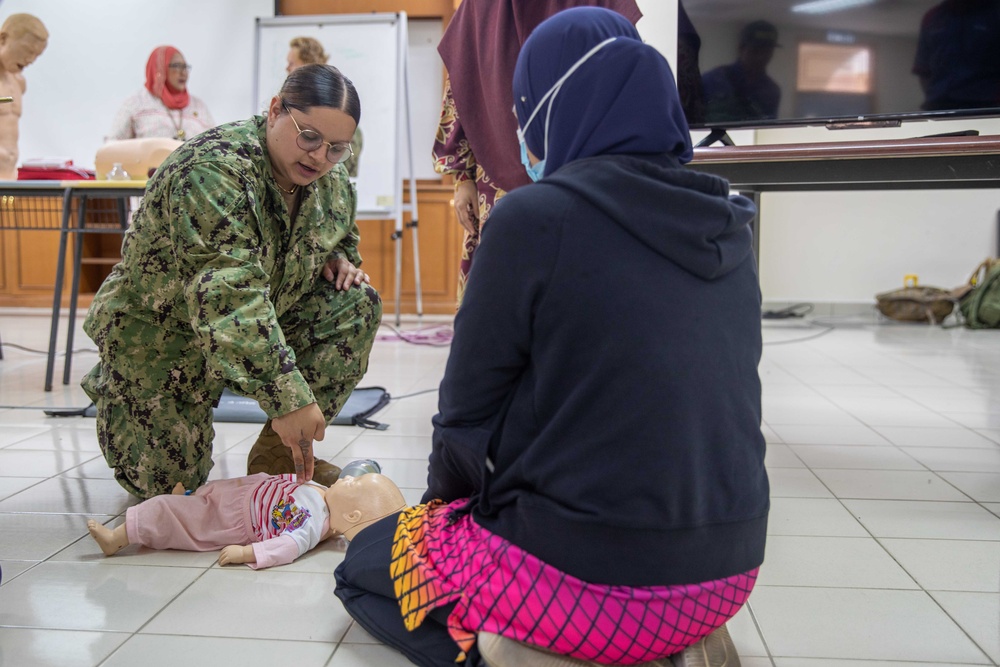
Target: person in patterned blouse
[(596, 488), (476, 140), (164, 107), (240, 270)]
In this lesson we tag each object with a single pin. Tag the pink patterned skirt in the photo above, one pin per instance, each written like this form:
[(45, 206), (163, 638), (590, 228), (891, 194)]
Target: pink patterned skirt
[(502, 589)]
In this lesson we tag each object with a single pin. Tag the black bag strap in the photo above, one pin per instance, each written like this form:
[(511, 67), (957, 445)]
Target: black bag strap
[(362, 418)]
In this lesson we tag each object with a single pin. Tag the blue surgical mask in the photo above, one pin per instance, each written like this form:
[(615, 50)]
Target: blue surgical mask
[(537, 170)]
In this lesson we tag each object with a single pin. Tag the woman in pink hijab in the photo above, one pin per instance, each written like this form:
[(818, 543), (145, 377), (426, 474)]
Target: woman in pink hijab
[(164, 108), (476, 140)]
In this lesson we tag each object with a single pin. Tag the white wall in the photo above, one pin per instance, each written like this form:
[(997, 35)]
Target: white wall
[(97, 54), (658, 26), (844, 247)]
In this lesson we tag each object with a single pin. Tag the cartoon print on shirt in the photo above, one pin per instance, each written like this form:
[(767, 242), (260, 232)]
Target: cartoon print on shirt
[(286, 515)]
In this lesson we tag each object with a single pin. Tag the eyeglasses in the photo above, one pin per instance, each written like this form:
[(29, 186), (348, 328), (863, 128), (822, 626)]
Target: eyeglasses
[(184, 67), (310, 140)]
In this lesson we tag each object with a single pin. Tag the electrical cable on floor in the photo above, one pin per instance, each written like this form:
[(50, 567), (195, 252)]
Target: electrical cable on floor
[(434, 336), (49, 407), (797, 310), (842, 321), (828, 324), (15, 346), (28, 407), (820, 334), (416, 393)]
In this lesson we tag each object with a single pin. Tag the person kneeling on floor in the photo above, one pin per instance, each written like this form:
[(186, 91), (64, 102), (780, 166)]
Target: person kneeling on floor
[(596, 487)]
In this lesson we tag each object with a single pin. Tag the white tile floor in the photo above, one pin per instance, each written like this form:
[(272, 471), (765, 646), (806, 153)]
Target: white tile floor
[(884, 547)]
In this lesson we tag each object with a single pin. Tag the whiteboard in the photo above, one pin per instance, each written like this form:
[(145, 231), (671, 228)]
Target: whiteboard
[(369, 50)]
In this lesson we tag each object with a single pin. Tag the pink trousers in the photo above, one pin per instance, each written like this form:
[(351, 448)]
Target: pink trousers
[(214, 516)]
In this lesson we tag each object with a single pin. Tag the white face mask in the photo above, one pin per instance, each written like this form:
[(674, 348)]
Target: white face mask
[(537, 170)]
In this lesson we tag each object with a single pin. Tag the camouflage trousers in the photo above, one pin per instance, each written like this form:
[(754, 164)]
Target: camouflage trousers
[(154, 439)]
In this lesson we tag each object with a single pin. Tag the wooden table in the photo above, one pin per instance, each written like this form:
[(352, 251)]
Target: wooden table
[(892, 164), (69, 193)]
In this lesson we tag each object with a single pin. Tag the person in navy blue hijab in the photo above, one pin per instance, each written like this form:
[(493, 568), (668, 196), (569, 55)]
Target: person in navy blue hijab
[(597, 452), (575, 99)]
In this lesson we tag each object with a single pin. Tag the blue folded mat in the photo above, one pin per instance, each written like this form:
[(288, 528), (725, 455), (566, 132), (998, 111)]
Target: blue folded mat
[(361, 404)]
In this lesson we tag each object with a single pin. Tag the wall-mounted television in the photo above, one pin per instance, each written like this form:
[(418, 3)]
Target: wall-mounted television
[(839, 63)]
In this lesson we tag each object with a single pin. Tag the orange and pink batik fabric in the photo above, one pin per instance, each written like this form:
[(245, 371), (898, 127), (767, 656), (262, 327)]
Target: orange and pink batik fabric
[(440, 555)]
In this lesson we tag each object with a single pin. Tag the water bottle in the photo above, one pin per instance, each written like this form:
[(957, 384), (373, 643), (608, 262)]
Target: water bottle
[(360, 467), (117, 173)]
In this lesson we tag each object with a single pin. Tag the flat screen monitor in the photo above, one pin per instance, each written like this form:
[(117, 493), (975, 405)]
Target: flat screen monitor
[(840, 63)]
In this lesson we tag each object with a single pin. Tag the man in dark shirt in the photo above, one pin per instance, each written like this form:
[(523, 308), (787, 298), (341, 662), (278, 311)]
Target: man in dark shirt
[(743, 90)]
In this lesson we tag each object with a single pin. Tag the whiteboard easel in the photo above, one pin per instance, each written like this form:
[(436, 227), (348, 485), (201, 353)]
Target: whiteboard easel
[(371, 50)]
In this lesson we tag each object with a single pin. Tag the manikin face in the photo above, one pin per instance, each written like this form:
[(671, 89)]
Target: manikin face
[(292, 165), (294, 62), (356, 502), (177, 72), (18, 53)]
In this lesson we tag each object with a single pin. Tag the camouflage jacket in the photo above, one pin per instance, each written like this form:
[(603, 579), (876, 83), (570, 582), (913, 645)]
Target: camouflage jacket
[(209, 265)]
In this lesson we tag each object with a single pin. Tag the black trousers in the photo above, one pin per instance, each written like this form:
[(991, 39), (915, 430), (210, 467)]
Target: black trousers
[(364, 585)]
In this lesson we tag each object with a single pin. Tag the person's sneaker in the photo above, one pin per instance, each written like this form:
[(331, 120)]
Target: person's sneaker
[(714, 650), (499, 651), (270, 455)]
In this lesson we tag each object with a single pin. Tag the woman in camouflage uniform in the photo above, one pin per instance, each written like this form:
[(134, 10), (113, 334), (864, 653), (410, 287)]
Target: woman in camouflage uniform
[(240, 270)]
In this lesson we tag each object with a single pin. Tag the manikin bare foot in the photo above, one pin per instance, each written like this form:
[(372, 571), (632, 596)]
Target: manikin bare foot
[(110, 541)]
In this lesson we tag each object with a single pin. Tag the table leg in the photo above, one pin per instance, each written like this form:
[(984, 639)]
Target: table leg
[(397, 238), (416, 268), (57, 297), (75, 292)]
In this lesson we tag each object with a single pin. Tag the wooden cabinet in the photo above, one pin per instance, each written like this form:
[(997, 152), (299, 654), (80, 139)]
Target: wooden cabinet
[(28, 257), (439, 241), (100, 253), (28, 261)]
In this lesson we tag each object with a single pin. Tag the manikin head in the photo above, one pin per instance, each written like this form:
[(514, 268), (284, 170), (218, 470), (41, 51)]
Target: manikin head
[(358, 502), (22, 39)]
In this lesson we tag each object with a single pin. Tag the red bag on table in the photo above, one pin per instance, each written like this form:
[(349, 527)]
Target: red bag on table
[(53, 171)]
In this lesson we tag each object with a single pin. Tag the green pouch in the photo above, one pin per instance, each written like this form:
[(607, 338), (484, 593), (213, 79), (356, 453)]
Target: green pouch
[(980, 305)]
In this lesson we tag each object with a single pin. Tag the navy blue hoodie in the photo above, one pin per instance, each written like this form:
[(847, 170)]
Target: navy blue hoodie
[(601, 404)]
